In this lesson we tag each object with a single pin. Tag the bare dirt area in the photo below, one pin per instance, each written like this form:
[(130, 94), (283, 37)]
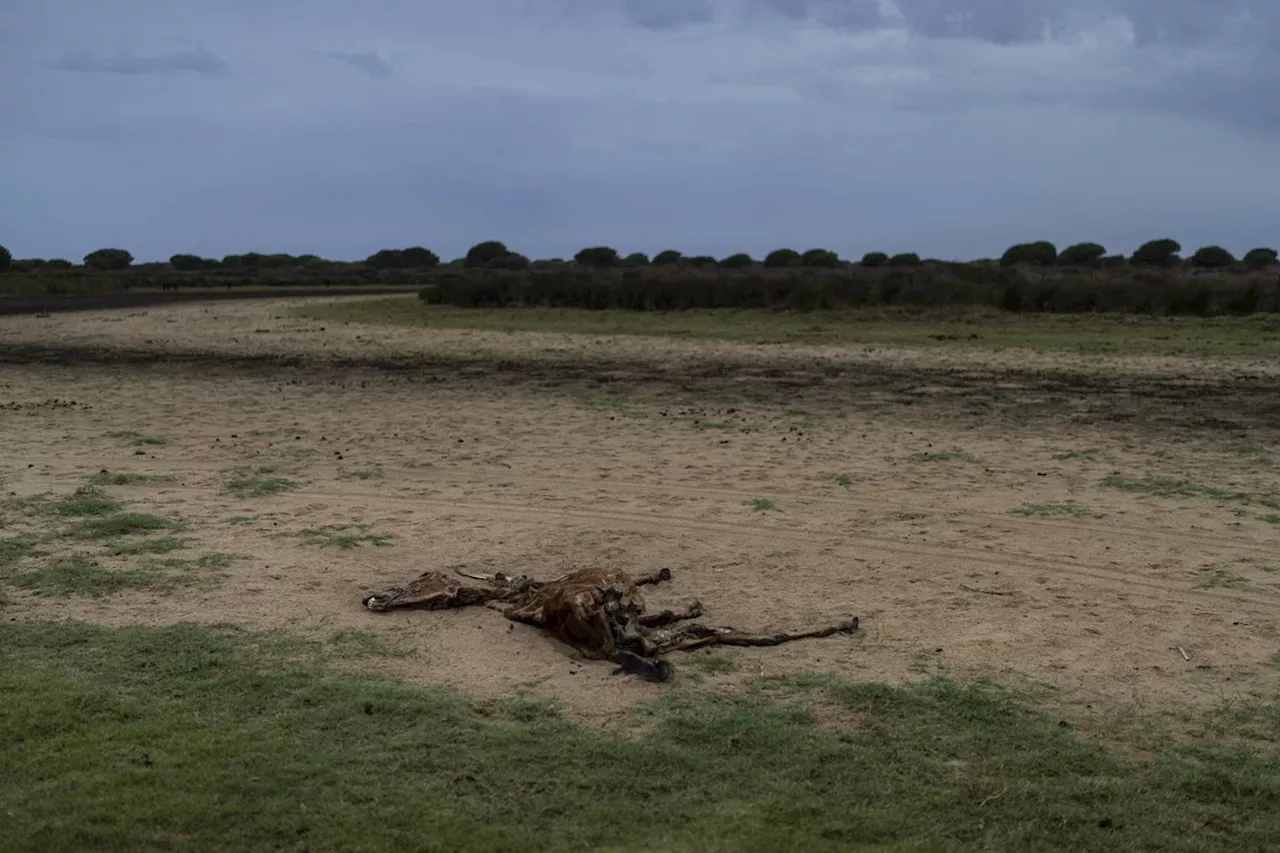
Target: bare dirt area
[(1101, 527)]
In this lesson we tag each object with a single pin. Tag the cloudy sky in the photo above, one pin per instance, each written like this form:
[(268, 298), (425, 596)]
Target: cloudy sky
[(948, 127)]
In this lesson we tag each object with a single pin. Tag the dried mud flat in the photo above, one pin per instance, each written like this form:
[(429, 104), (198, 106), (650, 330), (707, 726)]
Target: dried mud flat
[(982, 513)]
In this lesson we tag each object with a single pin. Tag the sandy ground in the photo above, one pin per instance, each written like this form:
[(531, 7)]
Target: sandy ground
[(536, 453)]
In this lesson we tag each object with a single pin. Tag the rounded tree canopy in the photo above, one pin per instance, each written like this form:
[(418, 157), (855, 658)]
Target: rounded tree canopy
[(186, 262), (597, 256), (509, 261), (701, 261), (6, 258), (1041, 253), (820, 258), (905, 259), (737, 262), (1212, 257), (1082, 255), (108, 259), (481, 254), (667, 258), (1260, 257), (419, 258), (782, 258), (874, 259), (1157, 253), (636, 259)]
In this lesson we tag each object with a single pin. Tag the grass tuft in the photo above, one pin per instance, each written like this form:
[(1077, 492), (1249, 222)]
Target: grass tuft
[(344, 536), (81, 574), (1069, 508), (122, 524), (123, 478), (257, 483), (1170, 487)]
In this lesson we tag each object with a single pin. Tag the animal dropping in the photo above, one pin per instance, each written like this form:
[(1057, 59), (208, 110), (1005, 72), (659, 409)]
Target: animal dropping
[(599, 612)]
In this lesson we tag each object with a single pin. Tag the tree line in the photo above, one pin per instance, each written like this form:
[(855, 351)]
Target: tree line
[(1031, 277), (495, 255)]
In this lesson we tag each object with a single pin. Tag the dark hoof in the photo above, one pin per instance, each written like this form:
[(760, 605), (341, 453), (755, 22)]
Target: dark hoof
[(664, 574), (656, 669), (849, 625)]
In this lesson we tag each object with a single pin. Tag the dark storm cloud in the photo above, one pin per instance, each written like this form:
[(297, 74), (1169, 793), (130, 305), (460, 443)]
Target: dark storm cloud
[(342, 127), (199, 62)]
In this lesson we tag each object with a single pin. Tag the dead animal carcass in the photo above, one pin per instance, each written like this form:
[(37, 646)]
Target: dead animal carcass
[(600, 612)]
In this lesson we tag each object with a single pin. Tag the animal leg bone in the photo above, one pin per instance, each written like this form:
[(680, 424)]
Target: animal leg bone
[(694, 636), (667, 617)]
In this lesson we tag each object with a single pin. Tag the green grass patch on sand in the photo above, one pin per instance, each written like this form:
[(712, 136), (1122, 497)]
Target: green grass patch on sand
[(955, 327), (344, 536), (258, 482), (1067, 508), (1172, 487), (84, 575), (125, 478), (197, 738)]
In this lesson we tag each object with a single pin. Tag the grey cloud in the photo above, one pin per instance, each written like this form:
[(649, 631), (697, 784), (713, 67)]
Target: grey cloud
[(1191, 22), (998, 21), (199, 62), (853, 15), (369, 62), (1009, 22), (553, 124), (669, 14)]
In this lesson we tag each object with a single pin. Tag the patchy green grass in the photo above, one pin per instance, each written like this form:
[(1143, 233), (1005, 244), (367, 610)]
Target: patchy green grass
[(217, 739), (204, 562), (84, 502), (122, 524), (258, 482), (955, 327), (1213, 577), (85, 575), (1171, 487), (51, 558), (1090, 454), (157, 545), (357, 643), (712, 664), (762, 505), (123, 478), (1249, 448), (344, 536), (1270, 518), (1067, 508), (16, 548), (844, 480)]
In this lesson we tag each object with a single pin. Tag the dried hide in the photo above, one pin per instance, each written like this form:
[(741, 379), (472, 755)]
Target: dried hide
[(600, 612)]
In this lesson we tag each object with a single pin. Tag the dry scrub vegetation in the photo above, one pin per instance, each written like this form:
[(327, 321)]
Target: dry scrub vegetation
[(1063, 555)]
